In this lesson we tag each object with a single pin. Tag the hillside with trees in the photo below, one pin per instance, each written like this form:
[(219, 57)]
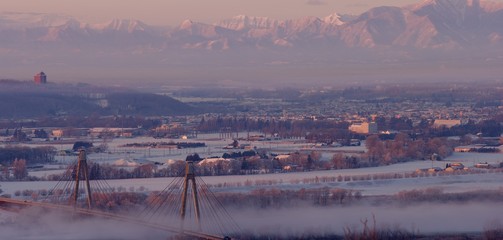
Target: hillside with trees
[(25, 100)]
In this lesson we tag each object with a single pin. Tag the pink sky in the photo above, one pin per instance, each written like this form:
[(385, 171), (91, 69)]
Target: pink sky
[(173, 12)]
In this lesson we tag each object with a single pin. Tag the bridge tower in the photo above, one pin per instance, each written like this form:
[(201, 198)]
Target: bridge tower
[(190, 176), (82, 171)]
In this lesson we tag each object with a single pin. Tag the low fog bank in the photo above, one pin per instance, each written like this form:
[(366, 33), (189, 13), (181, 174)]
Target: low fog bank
[(211, 72), (421, 219), (294, 221), (38, 224)]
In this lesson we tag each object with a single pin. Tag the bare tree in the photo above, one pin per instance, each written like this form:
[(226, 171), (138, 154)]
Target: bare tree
[(19, 168)]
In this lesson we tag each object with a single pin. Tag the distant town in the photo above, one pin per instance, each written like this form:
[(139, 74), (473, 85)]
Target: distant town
[(425, 125), (292, 120), (262, 148)]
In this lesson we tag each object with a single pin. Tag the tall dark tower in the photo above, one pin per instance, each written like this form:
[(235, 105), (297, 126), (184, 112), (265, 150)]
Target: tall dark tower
[(82, 171), (40, 78), (190, 176)]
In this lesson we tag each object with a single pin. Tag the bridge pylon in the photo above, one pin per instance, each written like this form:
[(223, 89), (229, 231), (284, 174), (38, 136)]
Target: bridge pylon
[(190, 176), (81, 171)]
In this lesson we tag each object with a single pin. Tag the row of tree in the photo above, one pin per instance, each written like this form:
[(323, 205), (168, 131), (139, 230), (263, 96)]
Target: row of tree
[(285, 128), (400, 149), (330, 131), (247, 162), (403, 148), (90, 121), (17, 170), (259, 198), (35, 155)]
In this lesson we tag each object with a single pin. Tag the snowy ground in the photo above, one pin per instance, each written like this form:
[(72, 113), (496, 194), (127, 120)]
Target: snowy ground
[(422, 218), (450, 183), (214, 148), (426, 218)]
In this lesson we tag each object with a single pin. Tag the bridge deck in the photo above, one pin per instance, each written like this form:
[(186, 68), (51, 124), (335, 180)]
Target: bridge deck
[(96, 213)]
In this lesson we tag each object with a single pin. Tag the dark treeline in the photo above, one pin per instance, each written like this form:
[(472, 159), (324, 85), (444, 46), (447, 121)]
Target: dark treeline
[(52, 100), (329, 131), (107, 171), (265, 198), (179, 145), (235, 124), (437, 195), (397, 123), (15, 161), (314, 130), (93, 120), (403, 148), (400, 149), (488, 128), (247, 162), (280, 198), (32, 156), (284, 128)]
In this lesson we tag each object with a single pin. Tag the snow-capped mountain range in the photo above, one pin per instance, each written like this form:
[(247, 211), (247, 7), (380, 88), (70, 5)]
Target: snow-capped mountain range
[(429, 24), (382, 33)]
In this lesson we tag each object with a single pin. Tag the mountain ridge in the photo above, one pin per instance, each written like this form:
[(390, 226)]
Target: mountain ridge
[(441, 33), (446, 22), (428, 24)]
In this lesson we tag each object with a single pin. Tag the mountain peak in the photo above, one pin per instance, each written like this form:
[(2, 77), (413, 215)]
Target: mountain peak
[(240, 17), (186, 24), (123, 25), (430, 24), (333, 19)]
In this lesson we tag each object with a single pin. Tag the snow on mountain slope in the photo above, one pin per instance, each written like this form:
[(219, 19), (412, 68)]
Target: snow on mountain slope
[(121, 25), (241, 22), (334, 19), (195, 29), (430, 24)]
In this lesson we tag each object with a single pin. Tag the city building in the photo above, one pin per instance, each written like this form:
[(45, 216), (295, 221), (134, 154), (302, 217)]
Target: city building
[(364, 128), (446, 123), (40, 78), (58, 133)]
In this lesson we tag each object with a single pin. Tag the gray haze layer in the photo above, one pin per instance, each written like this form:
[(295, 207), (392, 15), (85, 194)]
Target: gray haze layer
[(422, 218)]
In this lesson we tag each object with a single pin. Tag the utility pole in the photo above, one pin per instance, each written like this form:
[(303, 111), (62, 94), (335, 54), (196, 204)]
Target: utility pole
[(82, 169)]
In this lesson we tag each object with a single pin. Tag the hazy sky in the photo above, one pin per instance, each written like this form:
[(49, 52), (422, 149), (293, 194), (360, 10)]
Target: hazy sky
[(173, 12)]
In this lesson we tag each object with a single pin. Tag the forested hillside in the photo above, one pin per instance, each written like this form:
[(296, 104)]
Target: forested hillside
[(25, 99)]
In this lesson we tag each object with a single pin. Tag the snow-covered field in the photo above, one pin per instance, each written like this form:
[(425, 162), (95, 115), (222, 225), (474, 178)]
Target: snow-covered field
[(425, 218), (215, 147), (450, 183)]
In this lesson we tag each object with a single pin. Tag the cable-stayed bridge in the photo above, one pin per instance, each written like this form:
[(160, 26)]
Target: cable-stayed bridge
[(185, 207)]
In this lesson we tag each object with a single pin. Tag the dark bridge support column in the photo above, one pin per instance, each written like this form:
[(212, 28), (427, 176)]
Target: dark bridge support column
[(82, 169), (190, 176)]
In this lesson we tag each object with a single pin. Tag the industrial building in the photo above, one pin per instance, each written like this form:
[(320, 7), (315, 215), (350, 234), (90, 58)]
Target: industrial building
[(40, 78)]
